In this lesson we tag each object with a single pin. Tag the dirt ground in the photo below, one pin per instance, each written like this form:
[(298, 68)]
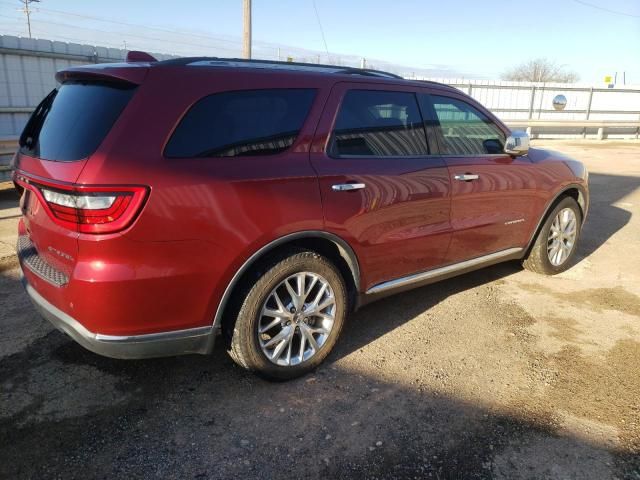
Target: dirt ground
[(498, 374)]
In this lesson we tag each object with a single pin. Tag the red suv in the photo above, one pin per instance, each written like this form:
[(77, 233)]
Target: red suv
[(166, 203)]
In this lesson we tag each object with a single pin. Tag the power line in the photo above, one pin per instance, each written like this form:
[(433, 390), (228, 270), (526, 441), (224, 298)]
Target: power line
[(598, 7), (13, 30), (324, 40), (236, 43), (116, 22), (153, 39), (263, 47)]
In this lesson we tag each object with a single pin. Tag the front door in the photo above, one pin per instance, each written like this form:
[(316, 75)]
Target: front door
[(492, 193), (382, 190)]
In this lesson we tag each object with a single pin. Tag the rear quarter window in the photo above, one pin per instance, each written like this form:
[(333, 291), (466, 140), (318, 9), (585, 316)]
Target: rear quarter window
[(71, 122), (241, 123)]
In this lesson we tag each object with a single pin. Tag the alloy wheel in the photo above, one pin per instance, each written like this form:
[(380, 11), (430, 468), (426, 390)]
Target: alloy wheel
[(296, 319), (562, 236)]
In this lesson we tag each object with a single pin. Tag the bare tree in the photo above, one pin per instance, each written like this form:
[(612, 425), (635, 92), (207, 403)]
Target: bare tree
[(540, 70)]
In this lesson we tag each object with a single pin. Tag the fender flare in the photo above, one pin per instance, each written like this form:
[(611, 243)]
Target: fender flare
[(345, 250), (583, 203)]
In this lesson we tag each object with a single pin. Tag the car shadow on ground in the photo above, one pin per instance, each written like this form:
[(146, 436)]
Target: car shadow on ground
[(8, 200), (606, 215), (67, 412)]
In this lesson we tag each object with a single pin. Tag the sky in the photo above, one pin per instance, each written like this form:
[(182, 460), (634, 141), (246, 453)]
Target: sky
[(465, 38)]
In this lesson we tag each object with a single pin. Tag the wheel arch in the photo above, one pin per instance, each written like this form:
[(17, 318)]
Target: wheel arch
[(575, 191), (325, 243)]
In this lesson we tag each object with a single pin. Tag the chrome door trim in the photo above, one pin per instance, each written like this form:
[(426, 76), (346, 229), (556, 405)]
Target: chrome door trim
[(442, 271)]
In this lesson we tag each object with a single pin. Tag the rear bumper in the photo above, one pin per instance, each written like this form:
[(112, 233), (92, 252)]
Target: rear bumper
[(179, 342)]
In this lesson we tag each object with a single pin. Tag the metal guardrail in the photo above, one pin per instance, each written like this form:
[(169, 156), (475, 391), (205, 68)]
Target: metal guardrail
[(600, 125), (16, 109), (95, 58), (8, 146)]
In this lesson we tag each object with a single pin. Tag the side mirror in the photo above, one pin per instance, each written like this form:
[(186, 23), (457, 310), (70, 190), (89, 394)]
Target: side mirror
[(517, 144)]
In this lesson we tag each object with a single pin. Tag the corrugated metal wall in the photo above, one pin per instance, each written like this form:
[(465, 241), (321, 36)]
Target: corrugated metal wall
[(27, 69)]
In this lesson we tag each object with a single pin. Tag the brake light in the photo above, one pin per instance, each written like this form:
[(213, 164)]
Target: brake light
[(89, 208), (95, 209)]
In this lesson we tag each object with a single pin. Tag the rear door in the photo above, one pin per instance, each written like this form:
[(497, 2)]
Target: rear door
[(492, 192), (381, 188)]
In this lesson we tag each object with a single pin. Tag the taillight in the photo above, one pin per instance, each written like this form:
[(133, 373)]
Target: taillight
[(89, 208), (95, 209)]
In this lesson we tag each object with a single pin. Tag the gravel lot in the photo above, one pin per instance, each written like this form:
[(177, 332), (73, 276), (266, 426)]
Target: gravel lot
[(496, 374)]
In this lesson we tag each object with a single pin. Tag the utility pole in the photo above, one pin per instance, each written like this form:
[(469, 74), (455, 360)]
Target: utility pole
[(246, 36), (27, 12)]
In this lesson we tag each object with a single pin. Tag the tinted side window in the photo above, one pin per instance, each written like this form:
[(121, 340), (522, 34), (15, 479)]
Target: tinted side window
[(465, 130), (379, 124), (248, 122), (71, 122)]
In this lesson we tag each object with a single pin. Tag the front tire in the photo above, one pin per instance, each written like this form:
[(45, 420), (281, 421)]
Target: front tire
[(291, 317), (557, 241)]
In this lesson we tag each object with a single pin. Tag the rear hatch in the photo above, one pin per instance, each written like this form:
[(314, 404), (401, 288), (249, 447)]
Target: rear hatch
[(62, 135)]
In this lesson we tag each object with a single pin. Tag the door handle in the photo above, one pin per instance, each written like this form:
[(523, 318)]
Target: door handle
[(345, 187), (466, 177)]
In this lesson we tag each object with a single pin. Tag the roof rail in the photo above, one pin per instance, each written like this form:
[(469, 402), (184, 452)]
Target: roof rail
[(220, 61), (369, 72)]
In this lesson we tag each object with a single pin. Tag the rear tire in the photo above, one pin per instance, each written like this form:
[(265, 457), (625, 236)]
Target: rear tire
[(556, 243), (291, 317)]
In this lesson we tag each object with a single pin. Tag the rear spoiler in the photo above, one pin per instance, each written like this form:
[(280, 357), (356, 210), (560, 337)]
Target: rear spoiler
[(119, 72), (132, 70)]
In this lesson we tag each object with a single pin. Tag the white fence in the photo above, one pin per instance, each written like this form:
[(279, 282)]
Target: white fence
[(531, 104), (28, 66)]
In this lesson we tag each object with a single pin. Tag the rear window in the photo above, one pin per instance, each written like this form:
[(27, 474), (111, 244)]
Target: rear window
[(71, 122), (248, 122)]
